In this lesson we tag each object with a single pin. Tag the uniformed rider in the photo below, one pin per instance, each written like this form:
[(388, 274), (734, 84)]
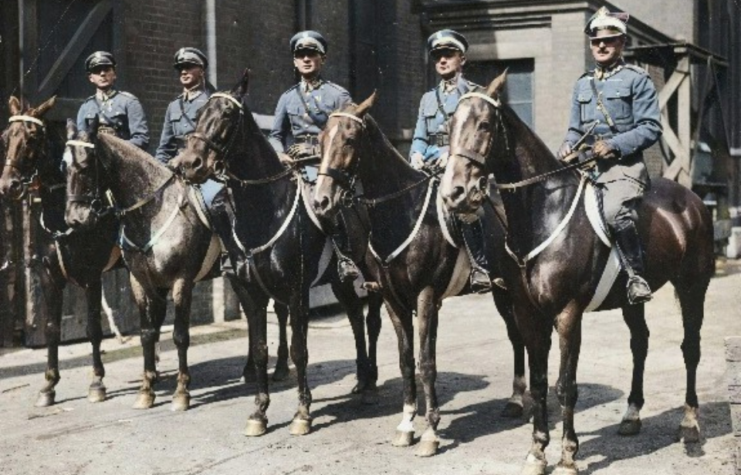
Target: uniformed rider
[(621, 100), (431, 140), (301, 114), (119, 112)]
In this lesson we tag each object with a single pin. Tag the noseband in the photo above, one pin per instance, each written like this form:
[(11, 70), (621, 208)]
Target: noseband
[(94, 199), (220, 151)]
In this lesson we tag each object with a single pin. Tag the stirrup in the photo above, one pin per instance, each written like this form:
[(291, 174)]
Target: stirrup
[(228, 270), (499, 282), (638, 290), (347, 270), (480, 281)]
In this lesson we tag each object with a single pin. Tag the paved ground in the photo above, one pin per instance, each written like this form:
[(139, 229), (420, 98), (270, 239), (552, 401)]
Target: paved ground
[(474, 364)]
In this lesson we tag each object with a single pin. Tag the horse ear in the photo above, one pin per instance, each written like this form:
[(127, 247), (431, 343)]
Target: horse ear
[(496, 86), (243, 85), (43, 108), (15, 105), (71, 129), (366, 104)]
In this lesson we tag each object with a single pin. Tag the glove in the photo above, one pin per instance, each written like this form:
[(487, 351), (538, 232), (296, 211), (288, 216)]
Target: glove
[(299, 150), (432, 153), (602, 149), (564, 150), (285, 159), (417, 160)]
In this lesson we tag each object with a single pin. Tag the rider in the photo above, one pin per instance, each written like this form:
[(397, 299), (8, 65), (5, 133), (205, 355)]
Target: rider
[(431, 140), (119, 112), (621, 100), (301, 114)]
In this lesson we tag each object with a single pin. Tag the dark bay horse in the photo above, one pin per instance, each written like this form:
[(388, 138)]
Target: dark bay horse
[(414, 261), (166, 241), (273, 226), (34, 149), (552, 284)]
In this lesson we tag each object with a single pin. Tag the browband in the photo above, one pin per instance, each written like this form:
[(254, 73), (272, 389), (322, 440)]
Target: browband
[(26, 118)]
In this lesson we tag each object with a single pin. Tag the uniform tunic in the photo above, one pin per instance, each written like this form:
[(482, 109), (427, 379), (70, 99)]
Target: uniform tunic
[(630, 98), (118, 110), (432, 121), (180, 120)]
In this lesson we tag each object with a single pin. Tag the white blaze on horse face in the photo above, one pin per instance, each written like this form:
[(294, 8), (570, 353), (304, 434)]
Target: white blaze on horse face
[(332, 133), (67, 157)]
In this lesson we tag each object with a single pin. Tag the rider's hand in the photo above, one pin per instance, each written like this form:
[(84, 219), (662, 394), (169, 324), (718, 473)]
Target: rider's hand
[(418, 160), (285, 159), (564, 150), (602, 149)]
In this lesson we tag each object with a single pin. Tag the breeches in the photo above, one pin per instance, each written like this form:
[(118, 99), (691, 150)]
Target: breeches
[(620, 201)]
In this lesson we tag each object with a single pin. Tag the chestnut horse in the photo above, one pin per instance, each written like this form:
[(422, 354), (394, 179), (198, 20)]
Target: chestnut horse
[(557, 259)]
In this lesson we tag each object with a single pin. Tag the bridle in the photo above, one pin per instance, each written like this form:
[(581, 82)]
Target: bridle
[(93, 200), (15, 162), (347, 179)]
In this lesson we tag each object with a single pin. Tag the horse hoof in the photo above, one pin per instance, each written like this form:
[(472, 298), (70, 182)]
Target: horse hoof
[(46, 399), (534, 468), (300, 427), (427, 448), (180, 402), (369, 397), (512, 410), (96, 394), (562, 470), (144, 400), (255, 428), (630, 427), (403, 439), (281, 374), (689, 434)]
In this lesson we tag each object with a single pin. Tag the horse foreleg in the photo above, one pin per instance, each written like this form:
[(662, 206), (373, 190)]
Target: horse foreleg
[(373, 323), (345, 293), (301, 423), (151, 307), (281, 366), (536, 333), (401, 319), (692, 301), (634, 316), (568, 325), (93, 295), (51, 289), (182, 295), (427, 317), (503, 302)]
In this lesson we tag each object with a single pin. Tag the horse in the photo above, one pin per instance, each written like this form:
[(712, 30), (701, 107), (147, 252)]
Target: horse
[(422, 263), (556, 259), (32, 160), (274, 226)]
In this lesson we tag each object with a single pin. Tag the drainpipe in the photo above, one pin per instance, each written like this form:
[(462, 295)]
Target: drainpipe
[(211, 41)]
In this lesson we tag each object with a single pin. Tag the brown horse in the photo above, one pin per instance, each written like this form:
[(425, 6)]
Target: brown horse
[(556, 262), (34, 150), (420, 265)]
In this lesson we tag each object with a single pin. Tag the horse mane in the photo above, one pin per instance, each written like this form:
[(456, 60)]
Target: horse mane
[(131, 153), (524, 138)]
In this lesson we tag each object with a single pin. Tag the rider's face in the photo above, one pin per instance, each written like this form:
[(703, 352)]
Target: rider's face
[(308, 62), (448, 62), (103, 77), (607, 47), (191, 75)]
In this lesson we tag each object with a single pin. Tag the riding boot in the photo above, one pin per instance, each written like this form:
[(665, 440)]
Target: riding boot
[(473, 237), (346, 268), (233, 261), (629, 244)]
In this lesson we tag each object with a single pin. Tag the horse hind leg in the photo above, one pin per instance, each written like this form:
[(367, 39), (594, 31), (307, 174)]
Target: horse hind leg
[(634, 316), (151, 312), (692, 302), (515, 404), (93, 295), (182, 294), (373, 322), (51, 289), (427, 317), (282, 371)]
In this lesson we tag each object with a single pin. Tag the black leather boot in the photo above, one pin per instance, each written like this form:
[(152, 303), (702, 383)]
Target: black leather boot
[(473, 237), (346, 268), (233, 261), (629, 243)]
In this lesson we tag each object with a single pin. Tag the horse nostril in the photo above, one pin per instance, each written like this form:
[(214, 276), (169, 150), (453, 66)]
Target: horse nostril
[(197, 164), (15, 184), (457, 192), (321, 204)]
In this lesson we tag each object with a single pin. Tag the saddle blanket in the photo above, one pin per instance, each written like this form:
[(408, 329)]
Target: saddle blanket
[(612, 267)]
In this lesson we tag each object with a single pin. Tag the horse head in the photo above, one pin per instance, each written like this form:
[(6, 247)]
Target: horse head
[(85, 177), (476, 137), (340, 142), (207, 148), (24, 142)]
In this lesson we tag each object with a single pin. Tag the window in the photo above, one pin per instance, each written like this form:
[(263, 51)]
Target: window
[(518, 91)]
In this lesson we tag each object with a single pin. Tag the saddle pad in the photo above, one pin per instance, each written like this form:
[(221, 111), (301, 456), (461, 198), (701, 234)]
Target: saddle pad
[(115, 256), (442, 218), (324, 261), (214, 250), (461, 271), (612, 267), (196, 198), (306, 192)]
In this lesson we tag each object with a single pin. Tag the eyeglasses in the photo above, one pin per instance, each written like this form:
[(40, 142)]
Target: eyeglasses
[(100, 70), (607, 40), (443, 53), (302, 53)]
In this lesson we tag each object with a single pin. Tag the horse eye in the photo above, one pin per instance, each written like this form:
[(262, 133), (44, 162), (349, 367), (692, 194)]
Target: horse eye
[(483, 125)]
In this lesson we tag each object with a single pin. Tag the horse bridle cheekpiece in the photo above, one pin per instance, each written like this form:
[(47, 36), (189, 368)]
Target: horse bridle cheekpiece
[(472, 155), (346, 180), (94, 200), (222, 151), (25, 119)]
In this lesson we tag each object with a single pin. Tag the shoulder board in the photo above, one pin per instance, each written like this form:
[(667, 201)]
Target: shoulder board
[(91, 98), (587, 74), (336, 86), (635, 68), (127, 94), (290, 89)]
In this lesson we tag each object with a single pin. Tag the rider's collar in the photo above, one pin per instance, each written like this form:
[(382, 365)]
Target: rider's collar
[(105, 96), (449, 85), (311, 84), (601, 73), (193, 92)]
